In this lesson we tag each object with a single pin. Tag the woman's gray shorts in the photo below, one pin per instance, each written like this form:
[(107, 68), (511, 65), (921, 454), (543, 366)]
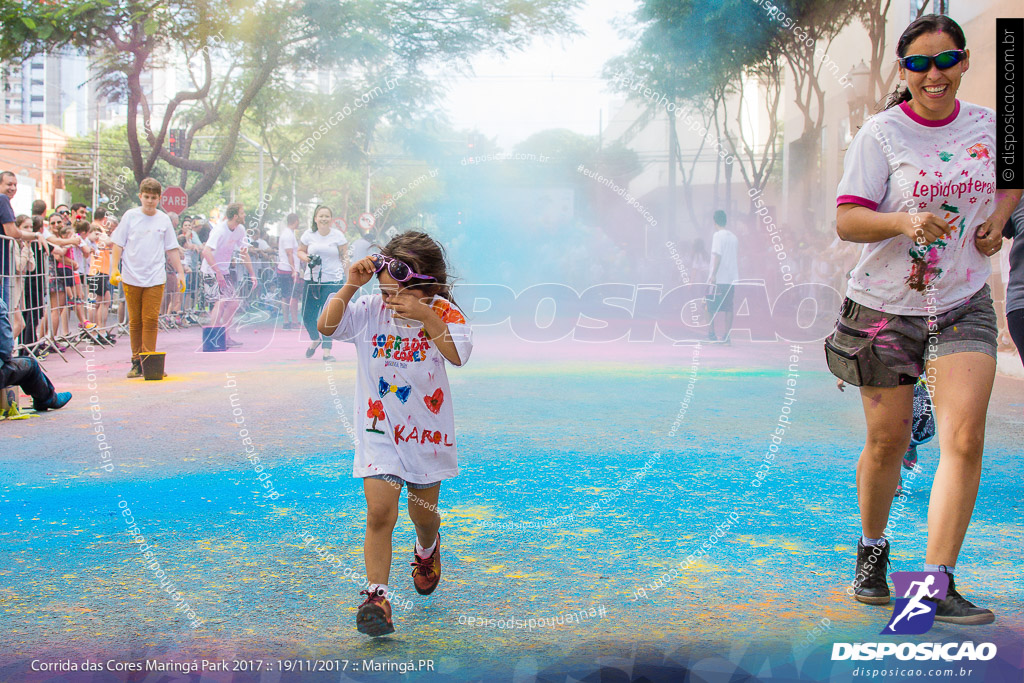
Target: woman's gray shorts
[(875, 349)]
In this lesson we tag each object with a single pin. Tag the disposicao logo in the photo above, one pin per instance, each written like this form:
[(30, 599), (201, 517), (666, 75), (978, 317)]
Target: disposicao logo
[(913, 615)]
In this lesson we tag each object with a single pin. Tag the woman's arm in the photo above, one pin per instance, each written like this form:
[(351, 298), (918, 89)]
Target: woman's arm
[(303, 252), (988, 238), (61, 241), (855, 223)]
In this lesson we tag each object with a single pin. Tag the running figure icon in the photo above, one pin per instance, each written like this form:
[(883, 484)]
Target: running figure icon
[(915, 611), (914, 607)]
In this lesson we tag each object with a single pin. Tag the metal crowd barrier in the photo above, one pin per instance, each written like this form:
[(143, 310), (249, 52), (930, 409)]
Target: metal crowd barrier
[(48, 312)]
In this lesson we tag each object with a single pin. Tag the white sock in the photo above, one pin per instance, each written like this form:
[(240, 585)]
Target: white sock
[(425, 553), (872, 541), (382, 586), (939, 568)]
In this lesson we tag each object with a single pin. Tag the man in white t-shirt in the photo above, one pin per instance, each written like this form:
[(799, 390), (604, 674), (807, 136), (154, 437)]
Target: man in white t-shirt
[(725, 271), (288, 271), (144, 242), (225, 237)]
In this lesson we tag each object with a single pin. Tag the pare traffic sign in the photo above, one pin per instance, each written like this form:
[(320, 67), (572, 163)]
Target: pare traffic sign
[(367, 221), (174, 199)]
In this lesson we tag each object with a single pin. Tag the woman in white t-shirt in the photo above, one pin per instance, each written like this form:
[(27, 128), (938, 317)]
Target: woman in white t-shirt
[(404, 417), (919, 193), (323, 250)]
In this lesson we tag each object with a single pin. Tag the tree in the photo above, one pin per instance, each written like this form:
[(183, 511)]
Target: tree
[(756, 165), (873, 15), (688, 52), (233, 50), (805, 46)]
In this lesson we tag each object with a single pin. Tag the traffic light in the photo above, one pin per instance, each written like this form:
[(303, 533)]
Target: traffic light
[(175, 141)]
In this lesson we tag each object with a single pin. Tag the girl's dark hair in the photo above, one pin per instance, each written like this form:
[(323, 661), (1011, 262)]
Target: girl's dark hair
[(424, 256), (929, 23), (37, 223), (312, 221)]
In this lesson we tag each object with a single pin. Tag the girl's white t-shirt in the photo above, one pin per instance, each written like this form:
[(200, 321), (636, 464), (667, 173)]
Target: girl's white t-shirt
[(403, 415), (901, 162), (326, 246)]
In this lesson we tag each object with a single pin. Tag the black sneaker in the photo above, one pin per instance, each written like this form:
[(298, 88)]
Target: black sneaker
[(136, 370), (870, 585), (956, 609)]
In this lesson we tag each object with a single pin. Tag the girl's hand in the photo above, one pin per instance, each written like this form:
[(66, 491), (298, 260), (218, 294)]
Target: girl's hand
[(923, 227), (361, 272), (840, 385), (405, 304), (988, 238)]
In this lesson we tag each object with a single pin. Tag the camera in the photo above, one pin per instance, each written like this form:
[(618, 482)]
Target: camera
[(315, 261)]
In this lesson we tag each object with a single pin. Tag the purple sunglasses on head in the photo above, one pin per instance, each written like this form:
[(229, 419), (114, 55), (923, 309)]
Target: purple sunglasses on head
[(399, 270)]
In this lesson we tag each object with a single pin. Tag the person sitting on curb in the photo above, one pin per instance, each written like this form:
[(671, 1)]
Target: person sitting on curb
[(23, 372)]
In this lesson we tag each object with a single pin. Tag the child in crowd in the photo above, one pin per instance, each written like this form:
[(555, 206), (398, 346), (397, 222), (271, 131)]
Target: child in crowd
[(24, 264), (403, 336), (63, 283), (98, 281), (80, 253), (143, 242)]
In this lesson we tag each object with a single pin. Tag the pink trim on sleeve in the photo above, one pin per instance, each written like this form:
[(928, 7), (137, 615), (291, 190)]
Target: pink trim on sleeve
[(854, 199)]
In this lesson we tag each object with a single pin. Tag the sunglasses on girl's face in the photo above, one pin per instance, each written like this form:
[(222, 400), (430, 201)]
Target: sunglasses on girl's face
[(399, 270), (922, 63)]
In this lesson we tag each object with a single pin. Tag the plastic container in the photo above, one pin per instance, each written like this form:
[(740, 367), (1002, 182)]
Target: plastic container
[(152, 364)]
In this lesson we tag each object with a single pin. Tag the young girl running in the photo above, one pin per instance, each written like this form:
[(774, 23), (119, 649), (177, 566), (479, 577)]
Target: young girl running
[(404, 414), (919, 192)]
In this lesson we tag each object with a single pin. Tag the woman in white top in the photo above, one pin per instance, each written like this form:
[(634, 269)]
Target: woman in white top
[(324, 251), (919, 192)]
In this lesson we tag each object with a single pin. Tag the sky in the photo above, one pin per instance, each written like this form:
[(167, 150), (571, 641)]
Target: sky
[(555, 83)]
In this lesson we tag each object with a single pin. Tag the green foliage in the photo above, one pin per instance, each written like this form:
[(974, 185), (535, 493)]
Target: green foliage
[(239, 53), (689, 50)]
